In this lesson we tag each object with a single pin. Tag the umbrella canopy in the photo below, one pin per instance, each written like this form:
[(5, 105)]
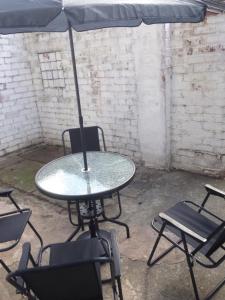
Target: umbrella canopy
[(58, 15)]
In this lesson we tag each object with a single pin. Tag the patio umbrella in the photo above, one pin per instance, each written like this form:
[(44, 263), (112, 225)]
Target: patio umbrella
[(17, 16)]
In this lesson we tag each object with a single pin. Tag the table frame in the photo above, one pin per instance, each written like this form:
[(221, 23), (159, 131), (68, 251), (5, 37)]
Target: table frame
[(93, 224)]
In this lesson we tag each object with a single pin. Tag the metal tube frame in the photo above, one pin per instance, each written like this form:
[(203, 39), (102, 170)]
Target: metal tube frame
[(189, 257), (7, 194), (83, 144)]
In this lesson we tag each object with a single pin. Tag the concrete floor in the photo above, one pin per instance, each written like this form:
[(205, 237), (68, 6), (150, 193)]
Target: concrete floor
[(151, 191)]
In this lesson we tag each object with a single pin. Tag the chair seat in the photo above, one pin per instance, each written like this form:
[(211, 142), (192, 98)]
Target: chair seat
[(199, 233), (70, 252), (73, 272), (197, 223), (13, 225), (191, 219), (78, 250)]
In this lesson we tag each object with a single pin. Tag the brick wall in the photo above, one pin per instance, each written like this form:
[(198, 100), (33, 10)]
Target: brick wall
[(19, 120), (198, 96), (157, 91), (111, 70), (53, 82)]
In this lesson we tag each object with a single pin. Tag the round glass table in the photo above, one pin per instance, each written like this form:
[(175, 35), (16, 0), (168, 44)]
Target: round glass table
[(65, 178)]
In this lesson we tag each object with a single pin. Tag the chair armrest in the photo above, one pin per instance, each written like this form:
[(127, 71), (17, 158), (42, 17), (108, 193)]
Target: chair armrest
[(116, 254), (24, 257), (214, 191), (23, 262), (14, 278), (182, 227), (5, 192)]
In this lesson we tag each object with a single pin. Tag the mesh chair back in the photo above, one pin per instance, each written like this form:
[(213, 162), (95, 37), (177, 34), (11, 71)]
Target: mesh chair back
[(80, 281), (91, 136), (12, 225)]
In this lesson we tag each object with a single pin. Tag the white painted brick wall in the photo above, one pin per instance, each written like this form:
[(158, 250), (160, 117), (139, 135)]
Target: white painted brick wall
[(55, 101), (158, 97), (198, 96), (19, 119), (108, 65)]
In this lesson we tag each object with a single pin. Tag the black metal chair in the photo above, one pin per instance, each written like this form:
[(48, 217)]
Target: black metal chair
[(95, 141), (73, 271), (12, 226), (197, 227)]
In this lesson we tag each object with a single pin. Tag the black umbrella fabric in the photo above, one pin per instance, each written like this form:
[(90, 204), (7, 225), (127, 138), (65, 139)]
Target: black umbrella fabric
[(58, 15), (17, 16)]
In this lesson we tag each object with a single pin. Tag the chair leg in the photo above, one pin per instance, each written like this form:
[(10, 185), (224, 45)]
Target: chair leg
[(5, 266), (190, 266), (120, 207), (34, 263), (118, 214), (215, 290), (79, 218), (80, 221), (151, 263), (36, 233), (70, 213), (74, 233), (112, 220), (119, 288)]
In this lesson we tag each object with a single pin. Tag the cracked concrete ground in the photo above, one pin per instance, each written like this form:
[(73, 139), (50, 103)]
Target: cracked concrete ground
[(151, 191)]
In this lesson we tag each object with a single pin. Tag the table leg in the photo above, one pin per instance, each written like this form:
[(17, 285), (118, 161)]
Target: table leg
[(94, 230), (93, 227)]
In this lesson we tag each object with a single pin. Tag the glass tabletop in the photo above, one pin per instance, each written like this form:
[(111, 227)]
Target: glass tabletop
[(64, 178)]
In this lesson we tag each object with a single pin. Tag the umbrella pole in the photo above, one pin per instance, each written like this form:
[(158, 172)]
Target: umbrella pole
[(83, 145)]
